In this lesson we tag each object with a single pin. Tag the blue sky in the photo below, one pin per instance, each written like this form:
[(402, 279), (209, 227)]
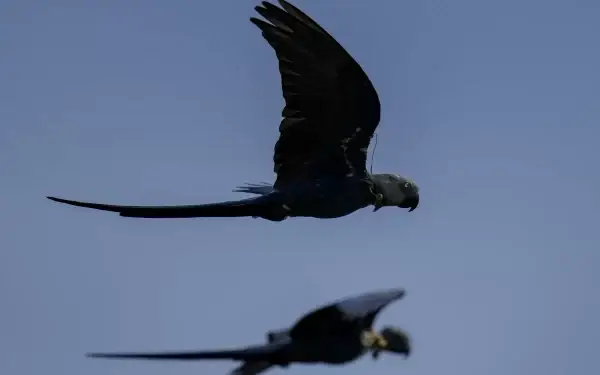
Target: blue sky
[(492, 107)]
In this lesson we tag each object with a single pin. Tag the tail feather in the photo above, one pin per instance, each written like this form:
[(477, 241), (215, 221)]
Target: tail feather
[(179, 356), (257, 353), (262, 188), (245, 207)]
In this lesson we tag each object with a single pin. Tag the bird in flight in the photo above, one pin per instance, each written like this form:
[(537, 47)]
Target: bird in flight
[(335, 334), (330, 115)]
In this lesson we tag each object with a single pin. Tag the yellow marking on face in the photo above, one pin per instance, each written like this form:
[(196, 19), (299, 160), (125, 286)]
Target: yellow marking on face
[(373, 340), (382, 342), (367, 339)]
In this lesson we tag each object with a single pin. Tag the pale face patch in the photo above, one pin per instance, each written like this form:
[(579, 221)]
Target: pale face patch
[(373, 340)]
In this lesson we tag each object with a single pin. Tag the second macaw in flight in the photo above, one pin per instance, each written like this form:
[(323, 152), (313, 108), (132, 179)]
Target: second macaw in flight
[(334, 334), (330, 115)]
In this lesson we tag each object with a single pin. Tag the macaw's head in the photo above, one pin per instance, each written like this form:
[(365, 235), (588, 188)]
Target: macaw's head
[(395, 190), (397, 341)]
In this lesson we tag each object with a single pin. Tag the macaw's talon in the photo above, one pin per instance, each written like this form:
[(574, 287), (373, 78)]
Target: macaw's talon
[(378, 202), (375, 354)]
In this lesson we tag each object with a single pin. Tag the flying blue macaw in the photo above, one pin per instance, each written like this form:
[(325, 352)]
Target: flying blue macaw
[(330, 115), (334, 334)]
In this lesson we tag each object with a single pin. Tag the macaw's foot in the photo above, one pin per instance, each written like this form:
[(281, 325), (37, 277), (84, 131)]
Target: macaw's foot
[(373, 340), (378, 202), (375, 354), (274, 214), (280, 362), (277, 213)]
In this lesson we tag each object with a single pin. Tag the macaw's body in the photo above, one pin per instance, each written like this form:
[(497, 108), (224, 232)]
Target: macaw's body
[(330, 116), (335, 334)]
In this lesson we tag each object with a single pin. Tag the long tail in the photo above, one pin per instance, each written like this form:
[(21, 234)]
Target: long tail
[(246, 207), (180, 356), (251, 353)]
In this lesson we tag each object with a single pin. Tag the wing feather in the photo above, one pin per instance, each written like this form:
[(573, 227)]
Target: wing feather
[(245, 207), (345, 314), (331, 107), (256, 353)]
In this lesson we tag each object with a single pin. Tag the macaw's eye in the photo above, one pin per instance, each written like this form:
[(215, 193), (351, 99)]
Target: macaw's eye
[(407, 185)]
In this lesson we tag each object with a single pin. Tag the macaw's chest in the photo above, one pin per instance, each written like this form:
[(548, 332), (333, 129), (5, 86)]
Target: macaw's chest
[(330, 199)]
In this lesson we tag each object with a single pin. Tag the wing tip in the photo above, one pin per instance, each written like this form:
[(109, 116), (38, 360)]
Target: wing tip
[(401, 293), (283, 2), (261, 24)]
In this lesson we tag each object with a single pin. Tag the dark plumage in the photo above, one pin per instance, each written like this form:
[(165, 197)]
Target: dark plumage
[(334, 334), (330, 115)]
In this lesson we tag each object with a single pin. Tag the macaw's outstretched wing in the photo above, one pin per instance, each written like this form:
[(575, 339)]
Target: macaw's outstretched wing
[(246, 207), (331, 107), (259, 353), (344, 315)]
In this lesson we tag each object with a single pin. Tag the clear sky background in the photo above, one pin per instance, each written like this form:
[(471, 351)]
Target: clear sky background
[(491, 106)]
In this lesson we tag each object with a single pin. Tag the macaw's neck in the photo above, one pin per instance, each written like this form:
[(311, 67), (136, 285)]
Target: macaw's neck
[(376, 180), (377, 191), (380, 182)]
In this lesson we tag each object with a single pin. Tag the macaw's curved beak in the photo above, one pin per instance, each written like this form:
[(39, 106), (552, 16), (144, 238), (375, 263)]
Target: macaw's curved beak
[(411, 203), (414, 203)]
